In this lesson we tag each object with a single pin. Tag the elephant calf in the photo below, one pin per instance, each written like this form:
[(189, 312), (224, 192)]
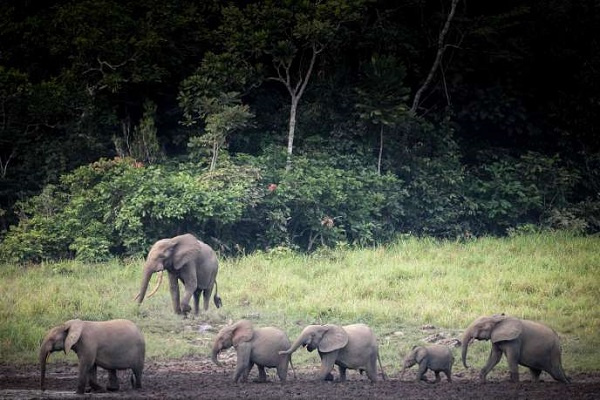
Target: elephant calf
[(260, 346), (112, 345), (437, 358)]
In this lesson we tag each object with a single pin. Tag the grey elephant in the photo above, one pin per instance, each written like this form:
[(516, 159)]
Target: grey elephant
[(348, 347), (524, 342), (113, 345), (436, 357), (258, 346), (188, 260)]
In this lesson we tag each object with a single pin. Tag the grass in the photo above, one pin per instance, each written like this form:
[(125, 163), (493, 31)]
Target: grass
[(396, 289)]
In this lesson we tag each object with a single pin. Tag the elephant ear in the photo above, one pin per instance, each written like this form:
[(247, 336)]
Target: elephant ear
[(242, 332), (420, 354), (334, 338), (168, 252), (507, 329), (74, 327)]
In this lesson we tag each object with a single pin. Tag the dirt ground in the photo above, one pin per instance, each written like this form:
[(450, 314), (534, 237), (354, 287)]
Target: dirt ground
[(198, 378)]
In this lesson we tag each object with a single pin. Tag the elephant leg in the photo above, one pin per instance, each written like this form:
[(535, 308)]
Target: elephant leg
[(448, 373), (556, 371), (437, 377), (93, 379), (372, 368), (535, 374), (421, 372), (262, 374), (327, 363), (84, 370), (493, 359), (113, 381), (174, 289), (197, 301), (137, 376), (190, 288), (206, 297), (512, 357), (242, 370), (342, 373), (282, 369)]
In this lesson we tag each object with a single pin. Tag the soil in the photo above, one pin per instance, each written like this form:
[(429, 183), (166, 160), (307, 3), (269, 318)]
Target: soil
[(197, 377)]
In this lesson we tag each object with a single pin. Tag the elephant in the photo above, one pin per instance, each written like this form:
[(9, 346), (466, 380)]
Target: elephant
[(348, 347), (524, 342), (113, 345), (189, 260), (436, 357), (258, 346)]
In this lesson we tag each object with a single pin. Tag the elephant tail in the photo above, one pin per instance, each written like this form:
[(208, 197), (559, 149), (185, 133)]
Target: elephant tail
[(216, 297), (292, 365), (381, 366)]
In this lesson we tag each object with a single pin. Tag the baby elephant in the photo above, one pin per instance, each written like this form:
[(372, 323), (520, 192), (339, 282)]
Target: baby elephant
[(258, 346), (436, 357), (112, 345)]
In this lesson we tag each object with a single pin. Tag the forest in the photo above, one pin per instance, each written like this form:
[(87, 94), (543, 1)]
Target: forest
[(293, 124)]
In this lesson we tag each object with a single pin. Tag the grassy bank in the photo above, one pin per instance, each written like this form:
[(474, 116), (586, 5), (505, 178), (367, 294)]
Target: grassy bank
[(397, 289)]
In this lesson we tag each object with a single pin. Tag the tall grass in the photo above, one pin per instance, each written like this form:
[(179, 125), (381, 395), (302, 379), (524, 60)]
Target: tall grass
[(396, 289)]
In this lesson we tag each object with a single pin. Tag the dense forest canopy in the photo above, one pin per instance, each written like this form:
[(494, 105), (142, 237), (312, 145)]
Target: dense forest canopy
[(464, 118)]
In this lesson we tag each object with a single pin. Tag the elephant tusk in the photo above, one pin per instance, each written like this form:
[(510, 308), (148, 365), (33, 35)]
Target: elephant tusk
[(160, 278)]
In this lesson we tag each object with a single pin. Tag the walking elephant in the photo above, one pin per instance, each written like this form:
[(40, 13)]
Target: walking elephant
[(348, 347), (258, 346), (112, 345), (524, 342), (188, 260), (435, 357)]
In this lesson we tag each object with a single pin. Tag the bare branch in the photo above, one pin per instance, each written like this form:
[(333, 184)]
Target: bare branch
[(437, 60)]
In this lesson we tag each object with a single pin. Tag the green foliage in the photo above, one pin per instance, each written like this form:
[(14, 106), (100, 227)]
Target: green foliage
[(509, 192), (319, 204)]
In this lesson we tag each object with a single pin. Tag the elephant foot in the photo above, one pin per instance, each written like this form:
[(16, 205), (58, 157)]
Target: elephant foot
[(328, 377), (514, 377)]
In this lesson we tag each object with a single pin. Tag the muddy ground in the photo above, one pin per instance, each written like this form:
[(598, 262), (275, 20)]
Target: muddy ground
[(199, 378)]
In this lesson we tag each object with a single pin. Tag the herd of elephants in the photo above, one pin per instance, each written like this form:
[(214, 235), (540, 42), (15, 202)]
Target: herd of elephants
[(119, 344)]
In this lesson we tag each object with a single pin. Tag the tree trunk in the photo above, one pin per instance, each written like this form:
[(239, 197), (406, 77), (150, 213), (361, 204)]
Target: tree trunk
[(291, 132), (380, 150)]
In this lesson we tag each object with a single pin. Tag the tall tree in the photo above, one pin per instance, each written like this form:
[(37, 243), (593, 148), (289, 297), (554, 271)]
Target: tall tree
[(290, 38)]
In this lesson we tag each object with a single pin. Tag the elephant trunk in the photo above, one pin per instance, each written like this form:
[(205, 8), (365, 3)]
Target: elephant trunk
[(215, 353), (44, 354), (466, 340), (299, 342)]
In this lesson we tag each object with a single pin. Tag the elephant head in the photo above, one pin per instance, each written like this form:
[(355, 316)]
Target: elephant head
[(325, 338), (416, 355), (62, 337), (232, 335), (496, 328), (159, 258)]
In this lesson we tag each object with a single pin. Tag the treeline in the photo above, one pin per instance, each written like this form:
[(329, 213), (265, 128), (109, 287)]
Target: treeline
[(297, 123)]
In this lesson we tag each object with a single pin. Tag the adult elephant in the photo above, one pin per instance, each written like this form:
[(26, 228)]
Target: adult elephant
[(524, 342), (258, 346), (113, 345), (348, 347), (188, 260)]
